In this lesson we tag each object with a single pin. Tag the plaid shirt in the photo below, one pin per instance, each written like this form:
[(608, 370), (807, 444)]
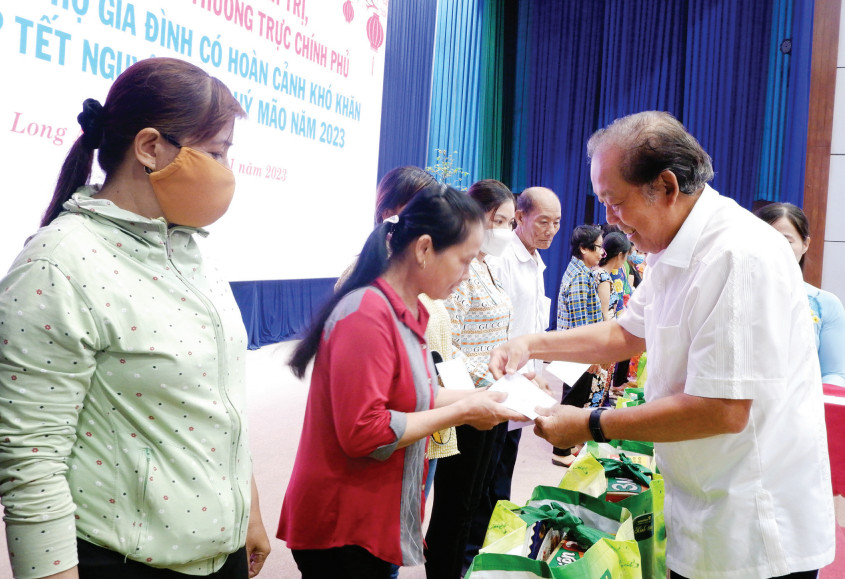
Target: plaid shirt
[(578, 301)]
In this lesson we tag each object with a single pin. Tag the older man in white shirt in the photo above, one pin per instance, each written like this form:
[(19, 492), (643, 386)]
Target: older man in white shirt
[(520, 268), (732, 368)]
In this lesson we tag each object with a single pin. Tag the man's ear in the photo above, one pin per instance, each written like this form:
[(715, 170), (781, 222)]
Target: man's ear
[(145, 147), (666, 185)]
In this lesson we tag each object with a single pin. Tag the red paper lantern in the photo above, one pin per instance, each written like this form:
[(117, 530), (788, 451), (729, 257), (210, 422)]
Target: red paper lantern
[(375, 33), (348, 11)]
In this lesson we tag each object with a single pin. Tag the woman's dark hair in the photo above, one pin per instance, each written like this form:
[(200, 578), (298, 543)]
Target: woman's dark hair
[(177, 98), (615, 243), (583, 237), (607, 228), (490, 194), (397, 188), (441, 212), (792, 213), (636, 273)]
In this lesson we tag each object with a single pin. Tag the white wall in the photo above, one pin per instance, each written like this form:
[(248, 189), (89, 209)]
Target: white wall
[(833, 274)]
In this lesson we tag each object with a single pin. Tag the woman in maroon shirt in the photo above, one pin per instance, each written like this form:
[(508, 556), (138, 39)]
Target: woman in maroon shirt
[(354, 503)]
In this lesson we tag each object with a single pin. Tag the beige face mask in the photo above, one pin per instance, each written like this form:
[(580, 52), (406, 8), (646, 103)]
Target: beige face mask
[(194, 189)]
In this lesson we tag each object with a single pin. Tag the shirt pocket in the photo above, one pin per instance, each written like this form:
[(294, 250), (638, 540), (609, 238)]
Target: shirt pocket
[(666, 362), (184, 508)]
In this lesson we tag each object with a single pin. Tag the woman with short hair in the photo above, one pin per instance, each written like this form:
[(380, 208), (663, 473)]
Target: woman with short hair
[(579, 304)]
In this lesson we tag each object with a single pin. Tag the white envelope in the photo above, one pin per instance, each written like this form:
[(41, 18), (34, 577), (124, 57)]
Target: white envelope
[(454, 375), (569, 372), (523, 397)]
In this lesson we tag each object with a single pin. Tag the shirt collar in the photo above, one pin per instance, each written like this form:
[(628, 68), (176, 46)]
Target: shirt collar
[(402, 312), (579, 265), (680, 250), (522, 252)]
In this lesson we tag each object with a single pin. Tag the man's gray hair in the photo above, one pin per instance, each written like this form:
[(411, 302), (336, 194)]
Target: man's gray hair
[(652, 142)]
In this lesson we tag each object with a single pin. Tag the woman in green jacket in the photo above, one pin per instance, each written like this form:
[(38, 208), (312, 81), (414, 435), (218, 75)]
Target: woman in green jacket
[(123, 449)]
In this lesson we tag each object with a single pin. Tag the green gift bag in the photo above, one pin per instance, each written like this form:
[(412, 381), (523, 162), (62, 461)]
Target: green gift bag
[(594, 512), (631, 397), (509, 524), (607, 559), (649, 528), (506, 530), (588, 474), (636, 446), (498, 566), (639, 452)]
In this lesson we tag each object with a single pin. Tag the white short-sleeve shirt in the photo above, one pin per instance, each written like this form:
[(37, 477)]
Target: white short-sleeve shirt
[(724, 314), (521, 275)]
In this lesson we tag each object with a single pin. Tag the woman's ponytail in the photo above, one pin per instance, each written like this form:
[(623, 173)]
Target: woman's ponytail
[(76, 170), (75, 173), (441, 212), (372, 262)]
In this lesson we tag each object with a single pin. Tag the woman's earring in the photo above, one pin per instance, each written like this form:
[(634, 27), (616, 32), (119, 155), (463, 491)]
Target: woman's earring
[(422, 265), (147, 170)]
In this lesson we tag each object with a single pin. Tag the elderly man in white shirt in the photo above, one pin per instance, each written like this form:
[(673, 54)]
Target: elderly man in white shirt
[(520, 268), (731, 364)]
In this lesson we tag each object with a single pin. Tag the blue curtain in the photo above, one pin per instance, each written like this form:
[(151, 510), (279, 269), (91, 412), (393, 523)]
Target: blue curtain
[(455, 85), (714, 64), (787, 104), (727, 57), (642, 64), (274, 311), (774, 129), (560, 100), (406, 98)]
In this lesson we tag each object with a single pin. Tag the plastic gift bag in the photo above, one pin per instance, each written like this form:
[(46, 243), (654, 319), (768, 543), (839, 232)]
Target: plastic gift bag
[(559, 534), (506, 530), (631, 397), (498, 566), (649, 527), (607, 559), (511, 527), (595, 473)]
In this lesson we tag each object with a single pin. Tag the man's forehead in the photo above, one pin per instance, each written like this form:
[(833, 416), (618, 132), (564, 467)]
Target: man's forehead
[(603, 195), (550, 211), (545, 206)]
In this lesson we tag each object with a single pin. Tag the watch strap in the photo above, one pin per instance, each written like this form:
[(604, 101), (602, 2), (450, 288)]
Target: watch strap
[(595, 425)]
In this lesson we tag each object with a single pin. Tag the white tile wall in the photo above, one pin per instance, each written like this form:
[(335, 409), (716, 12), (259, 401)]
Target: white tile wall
[(833, 276), (833, 269), (840, 60), (835, 218), (837, 144)]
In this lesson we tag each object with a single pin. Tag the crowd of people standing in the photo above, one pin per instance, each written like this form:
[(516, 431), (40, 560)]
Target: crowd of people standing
[(123, 443)]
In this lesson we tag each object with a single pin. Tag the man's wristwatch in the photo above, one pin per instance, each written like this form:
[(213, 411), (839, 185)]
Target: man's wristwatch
[(595, 425)]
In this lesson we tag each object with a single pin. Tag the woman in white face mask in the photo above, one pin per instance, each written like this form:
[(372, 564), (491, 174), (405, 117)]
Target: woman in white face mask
[(480, 313)]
